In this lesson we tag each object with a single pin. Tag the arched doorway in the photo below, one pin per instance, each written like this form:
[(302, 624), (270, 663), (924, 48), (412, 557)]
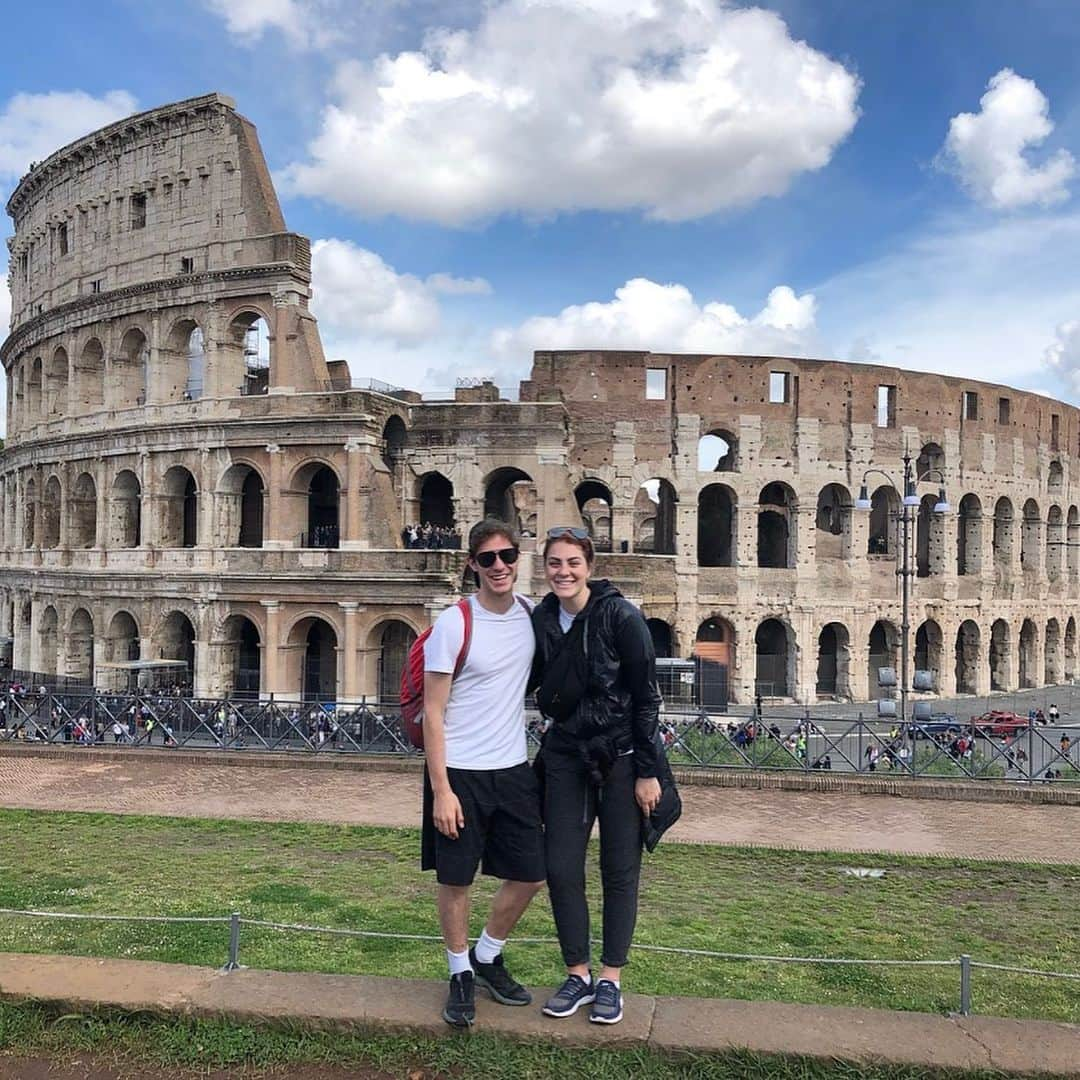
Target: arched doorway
[(129, 369), (969, 536), (1055, 542), (931, 458), (180, 511), (48, 643), (394, 438), (251, 510), (242, 656), (80, 648), (833, 522), (714, 652), (1000, 674), (436, 501), (594, 504), (58, 383), (1030, 538), (247, 354), (718, 451), (716, 526), (774, 653), (654, 518), (324, 497), (121, 646), (82, 513), (1053, 660), (175, 640), (50, 513), (776, 532), (1028, 675), (181, 364), (660, 632), (884, 515), (1072, 545), (90, 377), (510, 496), (29, 513), (320, 662), (967, 657), (395, 640), (834, 662), (1002, 539), (126, 511), (882, 646), (929, 539), (928, 648), (1070, 649)]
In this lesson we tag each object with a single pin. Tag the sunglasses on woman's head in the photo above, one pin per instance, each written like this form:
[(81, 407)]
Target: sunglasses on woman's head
[(486, 559), (571, 530)]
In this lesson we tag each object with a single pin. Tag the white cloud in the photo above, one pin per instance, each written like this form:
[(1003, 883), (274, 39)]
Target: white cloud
[(986, 149), (32, 126), (676, 107), (666, 318), (1062, 356), (305, 24), (455, 286), (5, 304)]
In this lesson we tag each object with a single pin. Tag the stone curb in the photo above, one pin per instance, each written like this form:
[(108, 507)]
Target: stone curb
[(663, 1024), (912, 788)]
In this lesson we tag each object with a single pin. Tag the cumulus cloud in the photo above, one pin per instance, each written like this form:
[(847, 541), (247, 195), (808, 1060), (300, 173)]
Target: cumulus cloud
[(986, 150), (32, 126), (666, 318), (305, 24), (356, 293), (676, 107), (1062, 356)]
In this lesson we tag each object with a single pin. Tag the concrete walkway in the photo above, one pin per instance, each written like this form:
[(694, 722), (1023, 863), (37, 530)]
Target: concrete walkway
[(665, 1024), (388, 793)]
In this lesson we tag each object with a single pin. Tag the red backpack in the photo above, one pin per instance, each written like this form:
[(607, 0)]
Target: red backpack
[(412, 677)]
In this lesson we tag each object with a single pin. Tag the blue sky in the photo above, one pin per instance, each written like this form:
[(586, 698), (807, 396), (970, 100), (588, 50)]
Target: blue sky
[(836, 178)]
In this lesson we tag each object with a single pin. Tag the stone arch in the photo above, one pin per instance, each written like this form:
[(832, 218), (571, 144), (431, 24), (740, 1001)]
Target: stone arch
[(179, 509), (130, 368), (884, 515), (82, 512), (834, 662), (714, 653), (395, 439), (174, 639), (90, 377), (248, 354), (52, 498), (1029, 677), (1055, 478), (80, 647), (125, 504), (594, 502), (776, 539), (654, 517), (969, 536), (929, 539), (1055, 542), (1072, 543), (122, 644), (395, 640), (1000, 658), (1053, 660), (510, 496), (323, 508), (241, 655), (1030, 537), (34, 390), (313, 639), (718, 451), (1070, 649), (29, 512), (833, 522), (931, 457), (774, 656), (882, 644), (716, 525), (436, 496), (929, 646), (1004, 534), (663, 638), (967, 657), (56, 383), (48, 640), (241, 506), (182, 363)]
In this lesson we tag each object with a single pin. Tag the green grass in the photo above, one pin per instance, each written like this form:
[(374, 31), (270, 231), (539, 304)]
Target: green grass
[(201, 1044), (723, 899)]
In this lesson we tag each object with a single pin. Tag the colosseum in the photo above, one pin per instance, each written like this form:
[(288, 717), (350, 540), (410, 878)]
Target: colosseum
[(186, 477)]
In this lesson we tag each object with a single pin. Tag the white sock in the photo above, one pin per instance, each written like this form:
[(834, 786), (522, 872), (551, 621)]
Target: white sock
[(614, 982), (487, 948), (458, 961)]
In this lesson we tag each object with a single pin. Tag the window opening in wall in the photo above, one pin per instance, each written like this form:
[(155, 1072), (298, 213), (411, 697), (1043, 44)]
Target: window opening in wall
[(1004, 408), (24, 266), (886, 406), (256, 358), (138, 211), (1055, 430), (655, 384), (62, 238), (95, 286), (779, 387), (970, 405), (187, 265)]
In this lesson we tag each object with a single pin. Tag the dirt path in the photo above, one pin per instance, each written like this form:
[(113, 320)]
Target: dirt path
[(802, 820)]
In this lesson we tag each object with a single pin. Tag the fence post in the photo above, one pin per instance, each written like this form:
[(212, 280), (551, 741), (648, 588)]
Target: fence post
[(965, 985), (233, 963)]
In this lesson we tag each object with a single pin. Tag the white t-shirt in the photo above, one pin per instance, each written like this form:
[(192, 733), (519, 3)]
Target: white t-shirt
[(485, 717)]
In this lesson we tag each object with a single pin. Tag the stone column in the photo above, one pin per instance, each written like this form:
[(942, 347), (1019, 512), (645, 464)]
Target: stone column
[(271, 673), (101, 532), (351, 675), (352, 528), (205, 532), (275, 500)]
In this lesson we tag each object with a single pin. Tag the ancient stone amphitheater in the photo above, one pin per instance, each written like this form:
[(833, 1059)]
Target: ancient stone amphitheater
[(187, 478)]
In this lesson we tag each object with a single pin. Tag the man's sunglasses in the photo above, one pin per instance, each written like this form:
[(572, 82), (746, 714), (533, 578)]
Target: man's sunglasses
[(564, 530), (486, 559)]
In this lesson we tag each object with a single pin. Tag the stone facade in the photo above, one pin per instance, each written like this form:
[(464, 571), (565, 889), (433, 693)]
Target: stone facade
[(187, 478)]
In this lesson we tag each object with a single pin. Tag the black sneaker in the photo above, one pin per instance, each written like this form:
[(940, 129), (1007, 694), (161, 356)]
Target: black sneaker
[(498, 982), (460, 1008), (607, 1008), (573, 993)]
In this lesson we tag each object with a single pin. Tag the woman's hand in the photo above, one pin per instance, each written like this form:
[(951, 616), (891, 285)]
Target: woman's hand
[(647, 793)]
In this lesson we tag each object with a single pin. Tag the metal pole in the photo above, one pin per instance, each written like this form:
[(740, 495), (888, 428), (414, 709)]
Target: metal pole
[(965, 985), (233, 963)]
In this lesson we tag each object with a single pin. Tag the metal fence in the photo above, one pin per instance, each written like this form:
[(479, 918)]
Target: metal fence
[(964, 964), (948, 746)]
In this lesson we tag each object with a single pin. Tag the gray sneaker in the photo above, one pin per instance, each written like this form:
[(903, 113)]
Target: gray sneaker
[(607, 1007), (573, 993)]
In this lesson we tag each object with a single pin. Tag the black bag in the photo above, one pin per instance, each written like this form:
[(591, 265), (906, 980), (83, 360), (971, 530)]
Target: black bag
[(565, 676), (669, 809)]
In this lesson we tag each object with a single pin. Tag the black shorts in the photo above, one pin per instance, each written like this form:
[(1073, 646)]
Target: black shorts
[(503, 834)]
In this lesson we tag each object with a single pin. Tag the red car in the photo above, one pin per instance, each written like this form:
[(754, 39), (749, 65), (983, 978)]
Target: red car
[(999, 722)]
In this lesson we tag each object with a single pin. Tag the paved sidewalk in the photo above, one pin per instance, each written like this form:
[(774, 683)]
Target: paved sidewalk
[(664, 1024), (157, 783)]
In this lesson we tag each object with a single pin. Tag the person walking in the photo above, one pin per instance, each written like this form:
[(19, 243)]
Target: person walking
[(481, 797), (596, 670)]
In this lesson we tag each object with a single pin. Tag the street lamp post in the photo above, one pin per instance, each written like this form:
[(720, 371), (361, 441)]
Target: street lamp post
[(909, 499)]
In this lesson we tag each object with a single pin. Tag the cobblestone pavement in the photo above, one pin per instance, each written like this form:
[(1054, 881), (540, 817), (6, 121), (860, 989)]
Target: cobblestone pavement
[(804, 820)]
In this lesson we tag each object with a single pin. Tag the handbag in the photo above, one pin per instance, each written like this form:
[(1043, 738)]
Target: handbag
[(669, 808)]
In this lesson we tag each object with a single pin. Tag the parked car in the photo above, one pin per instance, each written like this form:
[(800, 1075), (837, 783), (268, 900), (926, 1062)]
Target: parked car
[(939, 724), (999, 722)]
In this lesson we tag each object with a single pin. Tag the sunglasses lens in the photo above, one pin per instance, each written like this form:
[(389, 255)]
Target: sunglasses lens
[(486, 559), (562, 530), (509, 556)]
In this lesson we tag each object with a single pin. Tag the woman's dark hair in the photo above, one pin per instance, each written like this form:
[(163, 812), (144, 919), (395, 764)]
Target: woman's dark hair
[(484, 530), (585, 543)]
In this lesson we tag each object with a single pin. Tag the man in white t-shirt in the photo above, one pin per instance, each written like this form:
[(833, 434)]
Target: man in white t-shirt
[(481, 797)]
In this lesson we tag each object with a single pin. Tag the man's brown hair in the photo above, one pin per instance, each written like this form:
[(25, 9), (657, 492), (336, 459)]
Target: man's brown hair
[(484, 530)]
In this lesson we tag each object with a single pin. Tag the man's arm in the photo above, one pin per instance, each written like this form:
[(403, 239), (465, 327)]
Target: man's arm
[(447, 814)]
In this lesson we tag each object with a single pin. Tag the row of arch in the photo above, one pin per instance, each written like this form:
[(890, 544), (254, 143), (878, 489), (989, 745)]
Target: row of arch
[(59, 384)]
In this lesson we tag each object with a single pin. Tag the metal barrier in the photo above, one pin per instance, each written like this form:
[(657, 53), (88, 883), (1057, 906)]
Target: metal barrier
[(236, 921), (943, 748)]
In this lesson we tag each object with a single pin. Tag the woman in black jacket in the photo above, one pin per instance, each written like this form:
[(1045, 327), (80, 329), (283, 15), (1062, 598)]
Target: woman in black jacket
[(597, 686)]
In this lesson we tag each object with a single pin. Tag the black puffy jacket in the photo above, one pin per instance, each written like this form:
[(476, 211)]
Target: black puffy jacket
[(621, 700)]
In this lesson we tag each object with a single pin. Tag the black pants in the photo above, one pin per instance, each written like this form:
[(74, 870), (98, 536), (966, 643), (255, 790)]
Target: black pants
[(572, 803)]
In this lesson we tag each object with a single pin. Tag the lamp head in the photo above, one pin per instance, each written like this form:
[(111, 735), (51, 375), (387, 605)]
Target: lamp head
[(863, 501)]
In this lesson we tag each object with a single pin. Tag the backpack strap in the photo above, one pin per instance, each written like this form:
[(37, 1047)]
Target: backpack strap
[(465, 607)]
